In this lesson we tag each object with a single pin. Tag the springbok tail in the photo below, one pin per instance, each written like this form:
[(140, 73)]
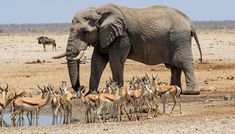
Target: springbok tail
[(178, 90)]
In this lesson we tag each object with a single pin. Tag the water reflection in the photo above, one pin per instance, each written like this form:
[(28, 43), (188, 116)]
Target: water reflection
[(43, 120)]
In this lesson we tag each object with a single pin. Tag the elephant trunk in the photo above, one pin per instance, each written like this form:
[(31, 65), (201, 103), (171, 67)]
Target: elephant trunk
[(74, 51), (73, 69)]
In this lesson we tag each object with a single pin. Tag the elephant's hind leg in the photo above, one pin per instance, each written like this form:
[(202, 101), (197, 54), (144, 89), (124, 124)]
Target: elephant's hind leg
[(183, 59), (191, 84)]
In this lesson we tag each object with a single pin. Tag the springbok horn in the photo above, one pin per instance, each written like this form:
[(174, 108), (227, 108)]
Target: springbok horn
[(86, 90), (157, 77), (59, 56), (147, 76), (81, 53), (1, 89), (39, 87), (6, 87)]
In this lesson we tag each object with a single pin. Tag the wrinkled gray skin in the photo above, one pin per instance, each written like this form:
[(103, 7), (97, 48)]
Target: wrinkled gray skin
[(46, 41), (151, 36)]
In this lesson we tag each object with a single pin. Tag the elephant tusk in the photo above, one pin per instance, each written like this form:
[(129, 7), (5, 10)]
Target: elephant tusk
[(81, 53), (59, 56)]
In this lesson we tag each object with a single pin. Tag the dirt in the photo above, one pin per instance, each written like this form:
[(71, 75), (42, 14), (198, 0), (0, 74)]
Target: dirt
[(24, 64)]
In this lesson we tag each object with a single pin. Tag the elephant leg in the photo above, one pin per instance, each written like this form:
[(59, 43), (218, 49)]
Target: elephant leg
[(98, 64), (117, 72), (183, 59), (191, 84), (117, 56), (176, 76)]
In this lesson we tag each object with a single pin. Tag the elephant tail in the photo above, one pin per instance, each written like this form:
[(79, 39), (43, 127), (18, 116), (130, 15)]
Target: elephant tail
[(194, 34)]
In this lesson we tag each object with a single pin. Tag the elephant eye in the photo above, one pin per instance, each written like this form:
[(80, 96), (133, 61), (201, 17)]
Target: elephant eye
[(84, 30)]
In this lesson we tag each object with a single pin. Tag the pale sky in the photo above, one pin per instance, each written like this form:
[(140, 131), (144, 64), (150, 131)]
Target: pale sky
[(62, 11)]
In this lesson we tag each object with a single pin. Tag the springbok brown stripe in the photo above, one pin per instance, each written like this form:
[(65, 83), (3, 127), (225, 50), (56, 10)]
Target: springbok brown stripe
[(108, 98), (29, 103), (1, 105)]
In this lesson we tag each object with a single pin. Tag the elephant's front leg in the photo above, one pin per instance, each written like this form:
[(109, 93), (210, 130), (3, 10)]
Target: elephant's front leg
[(117, 56), (117, 72), (98, 64)]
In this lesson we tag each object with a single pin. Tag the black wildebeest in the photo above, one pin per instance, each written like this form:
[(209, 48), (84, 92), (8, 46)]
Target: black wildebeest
[(46, 41)]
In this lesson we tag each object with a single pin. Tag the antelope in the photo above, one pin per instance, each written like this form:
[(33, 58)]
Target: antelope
[(136, 91), (14, 93), (3, 102), (31, 104), (150, 86), (18, 92), (169, 90), (56, 108), (106, 99), (122, 102), (163, 90), (62, 101), (25, 92), (46, 41), (148, 96), (66, 101), (90, 102)]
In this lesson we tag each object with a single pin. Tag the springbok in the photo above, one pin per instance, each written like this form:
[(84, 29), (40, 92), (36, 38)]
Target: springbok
[(106, 100), (66, 101), (3, 102), (31, 104), (169, 90), (136, 91), (90, 101), (56, 107)]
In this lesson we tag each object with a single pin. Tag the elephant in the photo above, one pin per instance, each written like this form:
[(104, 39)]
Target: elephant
[(153, 35), (46, 41)]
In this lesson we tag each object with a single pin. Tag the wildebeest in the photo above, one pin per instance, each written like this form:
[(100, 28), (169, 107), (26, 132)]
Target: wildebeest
[(46, 41)]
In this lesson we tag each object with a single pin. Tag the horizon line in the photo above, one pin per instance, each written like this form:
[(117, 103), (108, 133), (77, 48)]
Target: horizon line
[(32, 23)]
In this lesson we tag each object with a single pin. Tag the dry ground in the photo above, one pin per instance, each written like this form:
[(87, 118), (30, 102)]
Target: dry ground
[(204, 113)]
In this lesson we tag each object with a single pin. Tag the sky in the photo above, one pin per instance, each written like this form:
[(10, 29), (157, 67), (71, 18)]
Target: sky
[(62, 11)]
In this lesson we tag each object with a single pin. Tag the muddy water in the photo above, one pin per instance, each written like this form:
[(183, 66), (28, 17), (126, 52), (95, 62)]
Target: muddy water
[(43, 119), (46, 117)]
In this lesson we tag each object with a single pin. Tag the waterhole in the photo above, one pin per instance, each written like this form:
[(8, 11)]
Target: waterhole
[(43, 120)]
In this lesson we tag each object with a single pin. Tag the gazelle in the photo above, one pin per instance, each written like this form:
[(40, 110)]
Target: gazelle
[(18, 92), (66, 101), (90, 102), (62, 102), (163, 90), (148, 96), (56, 107), (25, 92), (106, 100), (169, 90), (3, 102), (31, 104), (150, 86), (136, 91)]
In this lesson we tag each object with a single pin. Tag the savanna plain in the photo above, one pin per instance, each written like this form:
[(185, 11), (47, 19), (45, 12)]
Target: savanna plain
[(24, 64)]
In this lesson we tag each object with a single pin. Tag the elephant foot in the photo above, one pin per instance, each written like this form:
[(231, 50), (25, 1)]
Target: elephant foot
[(191, 91)]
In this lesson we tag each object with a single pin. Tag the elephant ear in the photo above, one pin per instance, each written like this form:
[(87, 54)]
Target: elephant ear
[(111, 25)]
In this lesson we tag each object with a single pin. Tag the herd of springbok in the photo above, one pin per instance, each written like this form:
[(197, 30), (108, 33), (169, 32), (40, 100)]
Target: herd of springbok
[(111, 103)]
